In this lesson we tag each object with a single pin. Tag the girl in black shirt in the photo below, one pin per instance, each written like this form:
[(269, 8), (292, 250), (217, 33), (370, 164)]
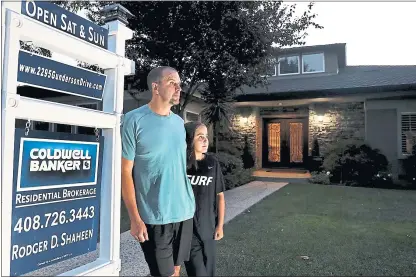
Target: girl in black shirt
[(205, 174)]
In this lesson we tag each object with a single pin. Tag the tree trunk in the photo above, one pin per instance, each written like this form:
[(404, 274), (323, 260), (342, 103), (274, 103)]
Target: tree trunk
[(178, 109), (181, 113), (216, 137)]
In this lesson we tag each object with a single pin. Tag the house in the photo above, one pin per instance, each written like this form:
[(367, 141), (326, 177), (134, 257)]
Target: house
[(313, 94)]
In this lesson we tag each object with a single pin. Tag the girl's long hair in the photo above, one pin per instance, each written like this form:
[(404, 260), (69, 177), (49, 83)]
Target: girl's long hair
[(190, 128)]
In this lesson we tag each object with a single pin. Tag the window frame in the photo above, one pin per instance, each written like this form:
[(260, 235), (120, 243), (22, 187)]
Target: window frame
[(314, 53), (288, 74), (192, 112)]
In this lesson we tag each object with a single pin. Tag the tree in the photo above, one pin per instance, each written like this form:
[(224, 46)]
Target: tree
[(247, 157), (207, 40), (219, 109)]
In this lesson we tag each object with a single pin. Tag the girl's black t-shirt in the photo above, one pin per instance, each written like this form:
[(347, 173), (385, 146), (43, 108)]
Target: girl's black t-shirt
[(206, 182)]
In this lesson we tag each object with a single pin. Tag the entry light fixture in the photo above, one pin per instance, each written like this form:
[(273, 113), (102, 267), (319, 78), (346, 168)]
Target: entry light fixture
[(243, 119)]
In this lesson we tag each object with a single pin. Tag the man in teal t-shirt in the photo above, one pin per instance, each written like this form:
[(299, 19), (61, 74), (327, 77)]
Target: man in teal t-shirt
[(156, 191)]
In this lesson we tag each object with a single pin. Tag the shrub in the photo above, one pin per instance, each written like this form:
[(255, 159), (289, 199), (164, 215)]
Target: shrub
[(314, 163), (229, 148), (315, 148), (320, 178), (335, 152), (233, 170), (354, 163), (229, 163), (409, 168), (383, 180), (247, 157)]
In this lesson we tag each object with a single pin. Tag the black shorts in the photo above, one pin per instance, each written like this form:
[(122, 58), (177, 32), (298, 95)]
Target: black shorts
[(202, 259), (169, 245)]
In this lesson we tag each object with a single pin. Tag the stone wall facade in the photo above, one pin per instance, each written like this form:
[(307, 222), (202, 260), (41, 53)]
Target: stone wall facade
[(328, 122), (337, 121), (244, 125)]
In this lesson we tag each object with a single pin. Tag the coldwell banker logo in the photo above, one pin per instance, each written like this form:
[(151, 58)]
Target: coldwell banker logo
[(59, 160), (48, 163)]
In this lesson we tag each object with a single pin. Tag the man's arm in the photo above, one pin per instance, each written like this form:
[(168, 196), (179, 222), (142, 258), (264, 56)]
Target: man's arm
[(128, 143), (127, 189), (137, 227)]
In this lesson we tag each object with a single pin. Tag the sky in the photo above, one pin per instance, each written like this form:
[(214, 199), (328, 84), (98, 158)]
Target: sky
[(375, 33)]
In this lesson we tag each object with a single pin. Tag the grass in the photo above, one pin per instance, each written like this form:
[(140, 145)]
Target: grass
[(339, 231)]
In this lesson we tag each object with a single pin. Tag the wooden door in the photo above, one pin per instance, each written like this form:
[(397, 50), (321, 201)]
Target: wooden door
[(285, 142)]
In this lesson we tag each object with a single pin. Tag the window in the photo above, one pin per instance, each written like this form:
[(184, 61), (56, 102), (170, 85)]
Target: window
[(38, 125), (289, 65), (86, 130), (408, 129), (190, 116), (34, 125), (63, 128), (313, 63), (92, 106)]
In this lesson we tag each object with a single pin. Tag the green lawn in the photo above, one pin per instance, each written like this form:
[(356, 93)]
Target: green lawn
[(342, 230)]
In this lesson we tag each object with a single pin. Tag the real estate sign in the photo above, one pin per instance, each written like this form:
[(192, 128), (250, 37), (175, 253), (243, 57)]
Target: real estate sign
[(43, 72), (52, 184), (56, 198), (70, 23)]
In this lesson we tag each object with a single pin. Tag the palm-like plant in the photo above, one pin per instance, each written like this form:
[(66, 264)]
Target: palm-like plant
[(218, 110)]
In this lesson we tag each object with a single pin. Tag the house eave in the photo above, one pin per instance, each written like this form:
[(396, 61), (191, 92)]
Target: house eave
[(326, 93), (391, 95)]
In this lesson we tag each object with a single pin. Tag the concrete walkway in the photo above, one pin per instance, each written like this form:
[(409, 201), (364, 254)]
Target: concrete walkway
[(237, 200), (132, 258)]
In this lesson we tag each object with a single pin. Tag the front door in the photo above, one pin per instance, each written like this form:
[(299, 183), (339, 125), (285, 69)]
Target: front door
[(285, 142)]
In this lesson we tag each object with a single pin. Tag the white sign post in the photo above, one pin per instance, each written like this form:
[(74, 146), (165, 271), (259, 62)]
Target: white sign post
[(42, 32)]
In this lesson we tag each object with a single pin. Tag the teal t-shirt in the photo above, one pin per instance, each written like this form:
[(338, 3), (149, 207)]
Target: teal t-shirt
[(157, 145)]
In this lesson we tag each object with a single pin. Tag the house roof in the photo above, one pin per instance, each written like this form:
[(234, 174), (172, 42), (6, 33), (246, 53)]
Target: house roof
[(350, 79)]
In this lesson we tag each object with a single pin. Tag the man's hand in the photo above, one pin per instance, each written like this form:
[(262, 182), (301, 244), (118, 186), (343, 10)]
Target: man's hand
[(138, 230), (219, 233)]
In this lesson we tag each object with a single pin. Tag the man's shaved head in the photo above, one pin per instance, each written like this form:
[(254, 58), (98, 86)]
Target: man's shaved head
[(156, 74)]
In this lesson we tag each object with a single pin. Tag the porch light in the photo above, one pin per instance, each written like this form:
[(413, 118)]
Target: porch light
[(243, 119)]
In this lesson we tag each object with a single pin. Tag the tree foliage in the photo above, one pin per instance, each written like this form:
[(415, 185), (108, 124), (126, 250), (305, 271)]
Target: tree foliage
[(207, 39), (231, 41), (215, 45)]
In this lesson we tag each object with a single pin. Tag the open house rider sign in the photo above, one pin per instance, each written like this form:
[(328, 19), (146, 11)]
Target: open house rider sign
[(56, 198), (44, 72), (70, 23)]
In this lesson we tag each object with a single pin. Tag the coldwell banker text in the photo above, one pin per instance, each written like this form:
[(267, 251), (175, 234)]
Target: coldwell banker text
[(59, 160), (59, 163), (62, 19)]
